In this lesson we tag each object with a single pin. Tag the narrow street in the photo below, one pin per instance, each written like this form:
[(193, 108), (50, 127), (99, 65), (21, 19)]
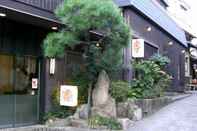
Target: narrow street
[(178, 116)]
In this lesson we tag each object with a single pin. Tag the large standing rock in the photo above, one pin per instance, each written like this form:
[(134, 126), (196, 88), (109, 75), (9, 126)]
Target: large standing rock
[(100, 93), (105, 110), (103, 104)]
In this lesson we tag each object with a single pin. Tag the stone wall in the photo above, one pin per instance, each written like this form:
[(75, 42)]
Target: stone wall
[(139, 108), (150, 106)]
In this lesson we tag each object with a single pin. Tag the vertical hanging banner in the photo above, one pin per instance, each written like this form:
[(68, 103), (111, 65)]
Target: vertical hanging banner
[(137, 48), (52, 66), (68, 95)]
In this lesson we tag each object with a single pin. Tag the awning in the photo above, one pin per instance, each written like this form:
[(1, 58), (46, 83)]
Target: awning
[(28, 14)]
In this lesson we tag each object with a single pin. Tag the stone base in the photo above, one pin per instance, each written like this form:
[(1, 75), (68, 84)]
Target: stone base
[(129, 110), (79, 123), (81, 112), (126, 123), (106, 110)]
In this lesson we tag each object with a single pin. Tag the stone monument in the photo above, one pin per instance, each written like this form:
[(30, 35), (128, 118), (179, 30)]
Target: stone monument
[(103, 104)]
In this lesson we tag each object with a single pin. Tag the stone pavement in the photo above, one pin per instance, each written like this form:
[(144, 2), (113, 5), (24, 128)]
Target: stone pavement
[(43, 128), (178, 116)]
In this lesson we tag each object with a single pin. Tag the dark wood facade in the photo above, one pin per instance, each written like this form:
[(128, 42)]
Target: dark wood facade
[(18, 38), (65, 67), (36, 12), (48, 5), (157, 40)]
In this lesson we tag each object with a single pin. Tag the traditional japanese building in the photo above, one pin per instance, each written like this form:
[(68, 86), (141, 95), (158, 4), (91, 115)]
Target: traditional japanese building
[(25, 77), (160, 34), (23, 26)]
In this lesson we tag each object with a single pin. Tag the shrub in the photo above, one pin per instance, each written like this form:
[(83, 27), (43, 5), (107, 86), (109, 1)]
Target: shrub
[(160, 60), (63, 112), (55, 96), (110, 123), (135, 92), (150, 81), (119, 90), (80, 80)]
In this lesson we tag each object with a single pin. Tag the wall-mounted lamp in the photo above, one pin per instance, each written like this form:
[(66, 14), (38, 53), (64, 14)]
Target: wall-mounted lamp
[(166, 47), (148, 28), (54, 28), (2, 14), (52, 66), (97, 44), (170, 43)]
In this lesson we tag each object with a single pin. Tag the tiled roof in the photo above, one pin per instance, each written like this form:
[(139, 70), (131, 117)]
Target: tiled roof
[(157, 15)]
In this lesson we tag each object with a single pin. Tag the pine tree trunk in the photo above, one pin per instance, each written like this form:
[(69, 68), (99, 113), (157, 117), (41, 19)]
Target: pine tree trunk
[(89, 99)]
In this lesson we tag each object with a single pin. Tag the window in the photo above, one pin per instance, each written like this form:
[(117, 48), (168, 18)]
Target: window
[(183, 7), (149, 50), (16, 74), (163, 3)]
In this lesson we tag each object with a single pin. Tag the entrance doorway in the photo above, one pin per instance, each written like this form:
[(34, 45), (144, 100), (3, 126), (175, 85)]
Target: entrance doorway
[(19, 102)]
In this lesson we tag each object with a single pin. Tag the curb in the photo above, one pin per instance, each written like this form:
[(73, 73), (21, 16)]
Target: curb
[(179, 97)]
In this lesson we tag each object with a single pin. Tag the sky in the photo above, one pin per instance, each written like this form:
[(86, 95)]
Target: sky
[(193, 14), (187, 20)]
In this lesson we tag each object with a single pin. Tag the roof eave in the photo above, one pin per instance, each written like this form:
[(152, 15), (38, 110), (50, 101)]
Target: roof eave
[(124, 3)]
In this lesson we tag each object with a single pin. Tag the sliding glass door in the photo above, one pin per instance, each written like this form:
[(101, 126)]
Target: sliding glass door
[(6, 91), (19, 102)]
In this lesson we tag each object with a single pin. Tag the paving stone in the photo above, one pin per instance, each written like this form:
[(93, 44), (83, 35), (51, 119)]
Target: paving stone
[(178, 116)]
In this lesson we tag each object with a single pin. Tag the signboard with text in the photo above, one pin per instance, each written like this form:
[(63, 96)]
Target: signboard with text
[(137, 48), (68, 95), (34, 83)]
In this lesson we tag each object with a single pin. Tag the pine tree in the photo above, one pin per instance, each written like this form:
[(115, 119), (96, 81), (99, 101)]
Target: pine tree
[(79, 18)]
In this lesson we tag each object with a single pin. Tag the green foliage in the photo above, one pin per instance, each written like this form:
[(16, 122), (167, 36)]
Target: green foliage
[(60, 113), (79, 18), (135, 92), (162, 61), (151, 80), (55, 43), (55, 96), (119, 90), (80, 80), (97, 121)]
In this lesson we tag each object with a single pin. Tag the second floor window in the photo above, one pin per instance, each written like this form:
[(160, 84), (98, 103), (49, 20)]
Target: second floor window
[(163, 3)]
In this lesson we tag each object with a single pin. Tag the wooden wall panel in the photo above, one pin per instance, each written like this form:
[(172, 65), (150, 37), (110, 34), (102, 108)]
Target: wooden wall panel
[(48, 5), (160, 39)]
